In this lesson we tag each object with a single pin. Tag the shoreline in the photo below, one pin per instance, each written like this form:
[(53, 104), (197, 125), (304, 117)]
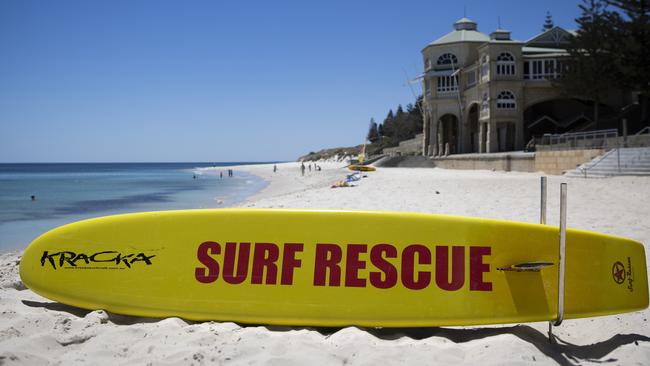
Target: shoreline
[(36, 330), (288, 179)]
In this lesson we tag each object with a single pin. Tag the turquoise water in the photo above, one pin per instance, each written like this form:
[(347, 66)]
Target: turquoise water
[(66, 193)]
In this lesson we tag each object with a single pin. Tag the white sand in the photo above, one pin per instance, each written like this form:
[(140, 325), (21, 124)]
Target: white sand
[(34, 330)]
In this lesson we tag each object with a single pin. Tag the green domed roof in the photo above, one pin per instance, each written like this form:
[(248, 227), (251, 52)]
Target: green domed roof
[(465, 30)]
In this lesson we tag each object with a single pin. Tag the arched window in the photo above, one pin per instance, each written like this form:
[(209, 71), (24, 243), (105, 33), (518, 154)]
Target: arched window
[(506, 56), (505, 64), (448, 59), (506, 100)]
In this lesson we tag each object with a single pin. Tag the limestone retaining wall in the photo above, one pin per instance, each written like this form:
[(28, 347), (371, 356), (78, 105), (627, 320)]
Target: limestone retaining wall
[(407, 147), (519, 162), (549, 162), (557, 162)]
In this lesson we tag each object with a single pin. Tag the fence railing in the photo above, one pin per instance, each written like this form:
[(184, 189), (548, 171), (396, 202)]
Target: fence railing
[(601, 139), (585, 169), (645, 129)]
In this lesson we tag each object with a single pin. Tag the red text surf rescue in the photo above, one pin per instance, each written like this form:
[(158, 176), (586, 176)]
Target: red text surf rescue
[(343, 265)]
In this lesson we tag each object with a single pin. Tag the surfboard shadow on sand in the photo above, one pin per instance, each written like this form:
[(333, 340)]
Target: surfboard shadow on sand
[(562, 352), (116, 319)]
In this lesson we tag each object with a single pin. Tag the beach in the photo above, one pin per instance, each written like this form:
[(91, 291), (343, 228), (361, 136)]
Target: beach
[(35, 330)]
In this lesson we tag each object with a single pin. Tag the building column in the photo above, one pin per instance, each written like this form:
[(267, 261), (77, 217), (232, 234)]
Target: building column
[(481, 135), (439, 139), (519, 133), (425, 135), (433, 137), (463, 146), (492, 140)]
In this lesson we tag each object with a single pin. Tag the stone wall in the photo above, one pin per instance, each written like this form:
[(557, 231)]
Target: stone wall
[(549, 162), (518, 162), (406, 147), (557, 162)]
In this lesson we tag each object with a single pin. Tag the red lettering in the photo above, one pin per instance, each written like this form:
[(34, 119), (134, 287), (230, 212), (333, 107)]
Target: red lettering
[(477, 268), (457, 268), (289, 262), (242, 262), (328, 256), (408, 267), (203, 255), (265, 256), (377, 255), (353, 265)]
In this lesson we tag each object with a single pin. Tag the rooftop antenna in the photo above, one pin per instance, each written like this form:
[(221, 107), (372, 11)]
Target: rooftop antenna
[(499, 22), (464, 11)]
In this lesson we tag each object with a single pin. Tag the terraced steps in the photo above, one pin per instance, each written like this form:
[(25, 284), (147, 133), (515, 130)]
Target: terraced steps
[(634, 161)]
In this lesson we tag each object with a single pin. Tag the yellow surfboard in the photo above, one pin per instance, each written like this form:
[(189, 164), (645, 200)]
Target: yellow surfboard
[(362, 168), (333, 268)]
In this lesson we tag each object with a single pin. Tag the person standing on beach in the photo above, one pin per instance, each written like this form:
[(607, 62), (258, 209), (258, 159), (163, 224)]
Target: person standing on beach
[(275, 168), (220, 175), (302, 169)]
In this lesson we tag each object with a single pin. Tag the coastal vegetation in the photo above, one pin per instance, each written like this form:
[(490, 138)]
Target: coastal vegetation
[(610, 49), (397, 126)]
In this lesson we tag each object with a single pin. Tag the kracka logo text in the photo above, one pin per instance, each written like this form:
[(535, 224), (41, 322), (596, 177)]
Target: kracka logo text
[(110, 257)]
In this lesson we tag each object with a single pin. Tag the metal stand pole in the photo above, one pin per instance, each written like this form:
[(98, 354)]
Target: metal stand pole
[(542, 206), (618, 152), (562, 264)]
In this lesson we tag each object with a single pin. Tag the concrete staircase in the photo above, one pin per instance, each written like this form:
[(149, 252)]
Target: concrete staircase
[(634, 161)]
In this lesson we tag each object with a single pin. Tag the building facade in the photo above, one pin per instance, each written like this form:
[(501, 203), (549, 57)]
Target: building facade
[(489, 93)]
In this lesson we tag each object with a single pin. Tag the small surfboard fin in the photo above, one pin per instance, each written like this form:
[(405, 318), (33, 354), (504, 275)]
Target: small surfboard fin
[(526, 267)]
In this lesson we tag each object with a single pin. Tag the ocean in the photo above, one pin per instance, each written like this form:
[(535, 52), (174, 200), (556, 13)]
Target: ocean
[(69, 192)]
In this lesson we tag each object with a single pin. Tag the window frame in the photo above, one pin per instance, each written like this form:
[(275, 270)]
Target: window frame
[(542, 69), (506, 64), (447, 59), (447, 84), (506, 103)]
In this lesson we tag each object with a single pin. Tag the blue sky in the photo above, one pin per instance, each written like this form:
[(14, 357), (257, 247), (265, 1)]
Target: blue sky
[(119, 81)]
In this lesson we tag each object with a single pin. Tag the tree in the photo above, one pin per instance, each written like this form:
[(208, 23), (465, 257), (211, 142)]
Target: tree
[(397, 126), (389, 125), (591, 68), (548, 22), (632, 47), (373, 134), (401, 125)]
